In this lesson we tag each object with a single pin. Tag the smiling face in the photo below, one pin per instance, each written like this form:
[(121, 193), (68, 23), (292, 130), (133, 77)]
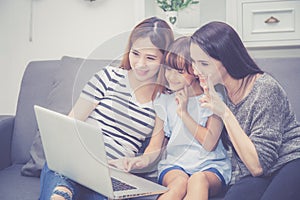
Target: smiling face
[(204, 65), (145, 60), (178, 79)]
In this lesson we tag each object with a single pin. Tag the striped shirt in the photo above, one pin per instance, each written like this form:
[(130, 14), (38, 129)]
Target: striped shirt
[(125, 123)]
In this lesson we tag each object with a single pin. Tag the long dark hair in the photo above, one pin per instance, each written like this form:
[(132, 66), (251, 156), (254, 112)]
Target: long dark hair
[(221, 42)]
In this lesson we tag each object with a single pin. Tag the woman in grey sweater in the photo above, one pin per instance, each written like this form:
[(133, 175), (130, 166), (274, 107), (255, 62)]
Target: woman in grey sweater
[(258, 118)]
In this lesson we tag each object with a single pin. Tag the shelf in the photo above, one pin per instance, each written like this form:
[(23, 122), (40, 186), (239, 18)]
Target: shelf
[(267, 23)]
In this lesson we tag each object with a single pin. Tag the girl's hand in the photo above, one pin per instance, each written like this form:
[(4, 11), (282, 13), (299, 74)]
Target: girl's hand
[(181, 98), (129, 164), (211, 99), (138, 162)]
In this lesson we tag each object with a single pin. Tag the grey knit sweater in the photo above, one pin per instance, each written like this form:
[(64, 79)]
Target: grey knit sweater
[(267, 118)]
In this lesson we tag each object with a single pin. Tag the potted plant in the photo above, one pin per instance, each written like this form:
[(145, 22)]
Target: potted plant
[(171, 8)]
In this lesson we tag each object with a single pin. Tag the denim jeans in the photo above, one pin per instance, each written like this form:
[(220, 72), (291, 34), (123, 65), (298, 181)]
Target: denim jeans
[(50, 180)]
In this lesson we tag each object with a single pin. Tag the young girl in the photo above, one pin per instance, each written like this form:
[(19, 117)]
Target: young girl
[(119, 101), (195, 165)]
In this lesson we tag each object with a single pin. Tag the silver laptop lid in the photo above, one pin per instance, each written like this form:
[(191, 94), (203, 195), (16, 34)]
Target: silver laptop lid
[(76, 150), (73, 149)]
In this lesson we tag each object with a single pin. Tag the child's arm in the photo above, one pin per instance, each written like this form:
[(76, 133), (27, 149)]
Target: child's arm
[(207, 136), (151, 153), (157, 140)]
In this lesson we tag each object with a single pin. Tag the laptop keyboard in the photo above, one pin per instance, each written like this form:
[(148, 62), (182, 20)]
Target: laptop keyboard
[(120, 186)]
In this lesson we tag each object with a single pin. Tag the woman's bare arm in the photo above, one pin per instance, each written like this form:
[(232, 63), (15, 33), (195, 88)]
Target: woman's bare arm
[(82, 109)]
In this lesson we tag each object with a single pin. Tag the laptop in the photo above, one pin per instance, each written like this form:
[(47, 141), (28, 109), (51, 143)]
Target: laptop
[(76, 149)]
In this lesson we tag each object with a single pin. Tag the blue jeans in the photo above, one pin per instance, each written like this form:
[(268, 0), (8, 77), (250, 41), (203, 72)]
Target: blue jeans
[(51, 179), (283, 184)]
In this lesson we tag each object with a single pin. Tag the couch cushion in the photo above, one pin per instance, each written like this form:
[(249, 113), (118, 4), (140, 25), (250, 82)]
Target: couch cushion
[(35, 87), (37, 158), (15, 186), (58, 99), (6, 128), (67, 83), (287, 72)]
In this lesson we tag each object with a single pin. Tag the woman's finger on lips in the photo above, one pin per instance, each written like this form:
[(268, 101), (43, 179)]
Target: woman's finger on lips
[(211, 85)]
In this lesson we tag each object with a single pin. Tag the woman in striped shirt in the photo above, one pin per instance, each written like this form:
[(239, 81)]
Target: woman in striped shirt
[(119, 101)]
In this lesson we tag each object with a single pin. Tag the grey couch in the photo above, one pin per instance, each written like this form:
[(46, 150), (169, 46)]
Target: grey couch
[(56, 84)]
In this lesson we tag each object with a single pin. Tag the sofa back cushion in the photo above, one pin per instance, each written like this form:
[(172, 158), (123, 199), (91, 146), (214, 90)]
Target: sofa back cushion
[(287, 72), (35, 87), (52, 84)]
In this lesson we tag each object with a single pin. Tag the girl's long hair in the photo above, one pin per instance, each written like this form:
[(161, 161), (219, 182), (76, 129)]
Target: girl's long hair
[(177, 57)]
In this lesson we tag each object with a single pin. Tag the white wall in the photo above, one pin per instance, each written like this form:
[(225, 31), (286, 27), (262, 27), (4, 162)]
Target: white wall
[(59, 27), (211, 10), (78, 28)]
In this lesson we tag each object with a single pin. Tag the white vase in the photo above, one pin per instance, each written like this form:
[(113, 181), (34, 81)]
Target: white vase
[(171, 17)]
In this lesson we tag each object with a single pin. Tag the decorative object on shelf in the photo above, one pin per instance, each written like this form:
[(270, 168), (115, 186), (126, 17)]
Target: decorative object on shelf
[(171, 8), (172, 17)]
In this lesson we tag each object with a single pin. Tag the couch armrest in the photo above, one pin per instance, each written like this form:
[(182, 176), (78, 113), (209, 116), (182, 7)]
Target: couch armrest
[(6, 129)]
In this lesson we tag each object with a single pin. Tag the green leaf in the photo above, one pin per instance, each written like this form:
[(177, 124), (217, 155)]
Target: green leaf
[(175, 5)]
